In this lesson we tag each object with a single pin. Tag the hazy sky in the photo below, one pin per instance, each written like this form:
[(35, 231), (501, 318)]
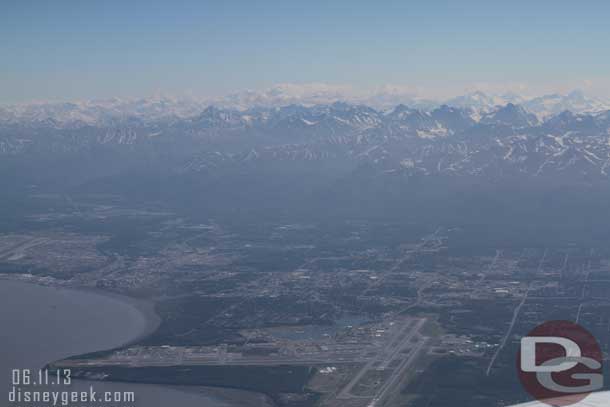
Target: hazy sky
[(90, 49)]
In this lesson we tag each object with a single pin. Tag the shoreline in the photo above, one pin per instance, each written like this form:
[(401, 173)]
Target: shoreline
[(145, 307), (146, 310)]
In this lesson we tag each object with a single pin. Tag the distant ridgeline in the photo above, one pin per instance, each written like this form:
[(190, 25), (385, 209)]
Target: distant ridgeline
[(501, 165)]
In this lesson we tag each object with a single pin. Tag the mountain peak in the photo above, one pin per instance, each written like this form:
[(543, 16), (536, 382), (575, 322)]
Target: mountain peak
[(157, 108), (510, 115)]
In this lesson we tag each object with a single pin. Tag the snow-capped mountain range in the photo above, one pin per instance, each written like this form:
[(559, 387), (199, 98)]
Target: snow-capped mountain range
[(492, 142), (104, 112)]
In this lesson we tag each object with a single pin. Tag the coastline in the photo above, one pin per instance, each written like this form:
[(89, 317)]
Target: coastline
[(151, 320), (145, 307)]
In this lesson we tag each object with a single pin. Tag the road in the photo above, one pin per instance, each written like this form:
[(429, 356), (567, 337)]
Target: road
[(515, 317), (510, 330)]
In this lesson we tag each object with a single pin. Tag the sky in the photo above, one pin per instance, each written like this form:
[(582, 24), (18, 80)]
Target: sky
[(66, 50)]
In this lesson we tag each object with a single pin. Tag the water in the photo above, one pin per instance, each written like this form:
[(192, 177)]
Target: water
[(43, 324)]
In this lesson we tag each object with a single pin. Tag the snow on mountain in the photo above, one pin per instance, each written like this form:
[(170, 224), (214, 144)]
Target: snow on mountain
[(453, 118), (506, 141), (510, 115), (388, 97), (102, 111), (287, 94), (385, 97), (575, 101), (93, 112), (542, 106), (480, 103)]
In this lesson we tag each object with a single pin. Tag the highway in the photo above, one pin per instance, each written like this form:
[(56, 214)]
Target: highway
[(510, 330)]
